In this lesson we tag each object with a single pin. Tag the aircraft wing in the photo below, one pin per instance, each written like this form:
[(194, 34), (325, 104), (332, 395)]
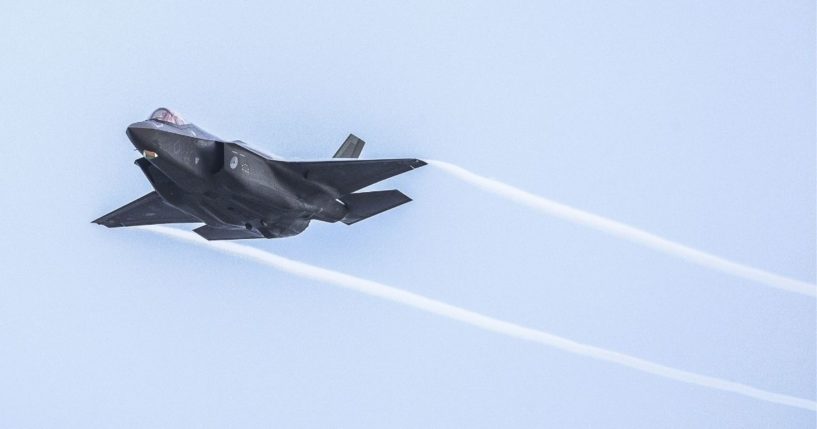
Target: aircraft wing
[(148, 210), (349, 176)]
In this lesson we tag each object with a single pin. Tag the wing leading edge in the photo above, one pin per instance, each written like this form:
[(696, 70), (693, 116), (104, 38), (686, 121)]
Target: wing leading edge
[(151, 209)]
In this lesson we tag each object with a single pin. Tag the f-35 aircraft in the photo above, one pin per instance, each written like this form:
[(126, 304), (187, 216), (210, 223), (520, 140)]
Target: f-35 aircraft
[(239, 192)]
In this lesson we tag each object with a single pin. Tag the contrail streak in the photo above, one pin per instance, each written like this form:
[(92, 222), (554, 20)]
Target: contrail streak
[(627, 232), (420, 302)]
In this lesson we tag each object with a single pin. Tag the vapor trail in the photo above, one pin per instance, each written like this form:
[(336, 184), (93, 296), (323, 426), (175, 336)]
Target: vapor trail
[(627, 232), (420, 302)]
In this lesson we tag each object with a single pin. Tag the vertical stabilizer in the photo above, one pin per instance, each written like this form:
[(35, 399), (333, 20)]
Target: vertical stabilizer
[(351, 148)]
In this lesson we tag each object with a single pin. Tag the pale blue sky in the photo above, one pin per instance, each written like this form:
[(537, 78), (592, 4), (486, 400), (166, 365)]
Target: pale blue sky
[(693, 120)]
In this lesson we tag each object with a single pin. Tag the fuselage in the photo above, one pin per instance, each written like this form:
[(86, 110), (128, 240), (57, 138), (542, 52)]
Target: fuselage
[(227, 184)]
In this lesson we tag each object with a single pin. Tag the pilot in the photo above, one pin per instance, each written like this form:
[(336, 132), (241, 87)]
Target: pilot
[(165, 115)]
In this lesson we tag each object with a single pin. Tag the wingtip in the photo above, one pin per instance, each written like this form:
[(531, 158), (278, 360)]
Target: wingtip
[(108, 223)]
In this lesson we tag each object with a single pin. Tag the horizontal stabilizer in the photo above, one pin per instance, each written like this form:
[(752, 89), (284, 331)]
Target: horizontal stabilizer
[(151, 209), (367, 204), (351, 148), (211, 233)]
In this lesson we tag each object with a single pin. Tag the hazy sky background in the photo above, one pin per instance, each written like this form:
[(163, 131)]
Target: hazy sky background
[(692, 120)]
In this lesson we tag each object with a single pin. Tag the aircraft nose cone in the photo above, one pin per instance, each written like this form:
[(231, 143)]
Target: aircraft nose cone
[(144, 136)]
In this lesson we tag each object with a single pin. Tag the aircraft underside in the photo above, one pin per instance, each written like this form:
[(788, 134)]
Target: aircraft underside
[(240, 193)]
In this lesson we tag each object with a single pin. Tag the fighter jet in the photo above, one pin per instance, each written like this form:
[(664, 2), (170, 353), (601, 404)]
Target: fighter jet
[(239, 192)]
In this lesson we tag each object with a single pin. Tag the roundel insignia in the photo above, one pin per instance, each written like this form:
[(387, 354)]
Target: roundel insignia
[(234, 162)]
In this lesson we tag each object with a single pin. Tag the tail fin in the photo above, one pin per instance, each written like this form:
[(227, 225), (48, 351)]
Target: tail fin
[(363, 205), (350, 148)]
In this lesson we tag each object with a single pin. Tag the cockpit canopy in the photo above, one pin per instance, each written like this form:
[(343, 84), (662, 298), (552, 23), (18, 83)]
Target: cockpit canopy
[(167, 115)]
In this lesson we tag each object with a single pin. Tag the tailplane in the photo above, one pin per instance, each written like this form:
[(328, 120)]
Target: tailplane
[(363, 205)]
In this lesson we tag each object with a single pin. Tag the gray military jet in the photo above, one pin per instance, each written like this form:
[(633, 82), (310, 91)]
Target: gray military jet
[(239, 192)]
